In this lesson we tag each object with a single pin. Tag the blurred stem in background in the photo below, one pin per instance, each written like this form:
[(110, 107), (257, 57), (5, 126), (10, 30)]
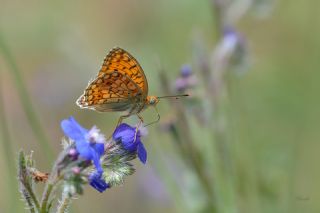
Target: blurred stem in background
[(189, 152), (9, 156), (25, 99), (218, 9), (211, 157)]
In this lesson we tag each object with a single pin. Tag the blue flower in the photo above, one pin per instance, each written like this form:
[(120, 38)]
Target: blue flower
[(130, 140), (89, 143), (97, 182)]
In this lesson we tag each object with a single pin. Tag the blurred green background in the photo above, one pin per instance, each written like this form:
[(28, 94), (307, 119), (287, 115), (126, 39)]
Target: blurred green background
[(59, 46)]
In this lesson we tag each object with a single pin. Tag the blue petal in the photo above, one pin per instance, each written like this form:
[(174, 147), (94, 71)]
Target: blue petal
[(73, 130), (123, 130), (126, 134), (84, 149), (130, 145), (99, 148), (97, 182), (96, 161), (142, 153), (90, 153)]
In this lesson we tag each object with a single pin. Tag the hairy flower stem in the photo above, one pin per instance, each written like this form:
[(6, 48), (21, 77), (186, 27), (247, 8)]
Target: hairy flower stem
[(64, 203), (32, 196), (26, 186), (52, 182), (28, 200), (46, 195), (53, 179)]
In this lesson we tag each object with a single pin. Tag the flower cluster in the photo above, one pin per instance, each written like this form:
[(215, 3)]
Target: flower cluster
[(86, 158), (89, 147)]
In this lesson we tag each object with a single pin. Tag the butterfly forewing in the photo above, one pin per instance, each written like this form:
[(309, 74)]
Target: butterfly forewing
[(123, 62)]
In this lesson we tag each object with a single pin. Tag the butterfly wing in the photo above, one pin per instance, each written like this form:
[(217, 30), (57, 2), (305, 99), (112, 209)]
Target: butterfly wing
[(123, 62), (113, 91)]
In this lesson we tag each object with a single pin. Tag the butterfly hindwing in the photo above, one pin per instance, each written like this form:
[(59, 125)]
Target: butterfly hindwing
[(111, 92)]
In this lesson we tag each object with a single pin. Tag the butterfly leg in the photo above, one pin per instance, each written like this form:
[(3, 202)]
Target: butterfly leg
[(122, 118), (156, 121), (140, 118), (119, 122), (138, 126)]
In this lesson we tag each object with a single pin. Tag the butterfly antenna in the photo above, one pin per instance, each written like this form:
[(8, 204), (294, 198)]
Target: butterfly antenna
[(156, 121), (173, 96)]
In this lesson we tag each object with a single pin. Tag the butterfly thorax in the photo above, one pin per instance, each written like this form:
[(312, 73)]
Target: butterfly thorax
[(140, 106)]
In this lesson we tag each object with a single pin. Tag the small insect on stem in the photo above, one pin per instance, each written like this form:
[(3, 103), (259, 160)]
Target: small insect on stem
[(38, 176)]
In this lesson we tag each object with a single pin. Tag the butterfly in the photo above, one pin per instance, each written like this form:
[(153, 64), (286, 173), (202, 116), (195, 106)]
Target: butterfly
[(120, 86)]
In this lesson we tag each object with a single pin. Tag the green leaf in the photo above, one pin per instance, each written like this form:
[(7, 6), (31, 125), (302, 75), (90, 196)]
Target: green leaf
[(114, 174)]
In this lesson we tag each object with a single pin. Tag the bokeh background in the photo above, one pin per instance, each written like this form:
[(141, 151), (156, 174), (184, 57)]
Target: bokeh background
[(58, 46)]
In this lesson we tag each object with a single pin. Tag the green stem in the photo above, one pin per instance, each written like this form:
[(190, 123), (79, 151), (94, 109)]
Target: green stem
[(46, 195), (218, 8), (28, 201), (25, 181), (32, 195), (189, 152), (25, 98), (53, 180), (195, 158)]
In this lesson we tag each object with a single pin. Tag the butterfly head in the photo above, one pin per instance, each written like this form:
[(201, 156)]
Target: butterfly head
[(152, 100)]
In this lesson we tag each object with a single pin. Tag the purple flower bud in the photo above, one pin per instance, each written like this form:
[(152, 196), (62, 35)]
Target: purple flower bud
[(73, 154), (76, 170)]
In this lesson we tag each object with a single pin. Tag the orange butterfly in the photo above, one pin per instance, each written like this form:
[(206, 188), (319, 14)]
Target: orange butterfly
[(120, 85)]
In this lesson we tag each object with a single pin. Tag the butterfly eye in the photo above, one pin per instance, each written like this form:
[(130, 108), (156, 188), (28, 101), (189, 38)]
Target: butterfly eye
[(152, 101)]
